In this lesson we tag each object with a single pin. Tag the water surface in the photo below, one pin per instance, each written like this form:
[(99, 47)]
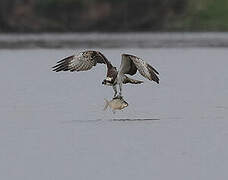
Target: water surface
[(53, 126)]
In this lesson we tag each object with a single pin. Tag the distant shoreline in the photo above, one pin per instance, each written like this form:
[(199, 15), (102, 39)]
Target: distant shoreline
[(114, 40)]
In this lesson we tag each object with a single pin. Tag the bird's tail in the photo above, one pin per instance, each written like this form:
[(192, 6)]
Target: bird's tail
[(106, 104), (130, 80)]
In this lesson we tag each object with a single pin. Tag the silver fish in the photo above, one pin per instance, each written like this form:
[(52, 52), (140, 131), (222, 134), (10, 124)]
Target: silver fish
[(117, 103)]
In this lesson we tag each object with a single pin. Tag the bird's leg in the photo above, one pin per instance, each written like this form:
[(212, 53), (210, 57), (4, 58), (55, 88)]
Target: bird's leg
[(120, 93), (115, 90)]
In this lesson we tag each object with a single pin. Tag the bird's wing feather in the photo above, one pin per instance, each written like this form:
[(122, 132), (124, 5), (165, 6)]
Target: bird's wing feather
[(81, 62), (130, 64), (126, 80), (127, 66)]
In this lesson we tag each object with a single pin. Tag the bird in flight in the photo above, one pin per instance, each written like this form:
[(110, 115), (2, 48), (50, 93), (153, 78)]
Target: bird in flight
[(130, 64)]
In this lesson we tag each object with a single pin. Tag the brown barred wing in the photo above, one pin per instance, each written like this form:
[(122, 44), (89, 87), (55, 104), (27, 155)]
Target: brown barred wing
[(130, 64), (81, 62)]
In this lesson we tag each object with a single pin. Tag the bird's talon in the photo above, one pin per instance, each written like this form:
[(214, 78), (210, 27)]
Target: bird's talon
[(119, 96)]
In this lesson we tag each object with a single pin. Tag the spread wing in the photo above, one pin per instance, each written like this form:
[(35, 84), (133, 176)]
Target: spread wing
[(81, 62), (130, 64)]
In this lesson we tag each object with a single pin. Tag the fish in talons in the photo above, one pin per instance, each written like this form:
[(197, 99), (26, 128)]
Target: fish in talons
[(117, 103)]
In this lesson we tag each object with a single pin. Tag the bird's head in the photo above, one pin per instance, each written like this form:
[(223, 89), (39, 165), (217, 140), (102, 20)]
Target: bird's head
[(108, 81), (104, 82)]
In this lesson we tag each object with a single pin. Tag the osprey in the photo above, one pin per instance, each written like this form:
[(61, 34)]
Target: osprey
[(129, 65)]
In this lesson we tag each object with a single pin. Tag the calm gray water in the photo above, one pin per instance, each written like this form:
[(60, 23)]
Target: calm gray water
[(53, 126)]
